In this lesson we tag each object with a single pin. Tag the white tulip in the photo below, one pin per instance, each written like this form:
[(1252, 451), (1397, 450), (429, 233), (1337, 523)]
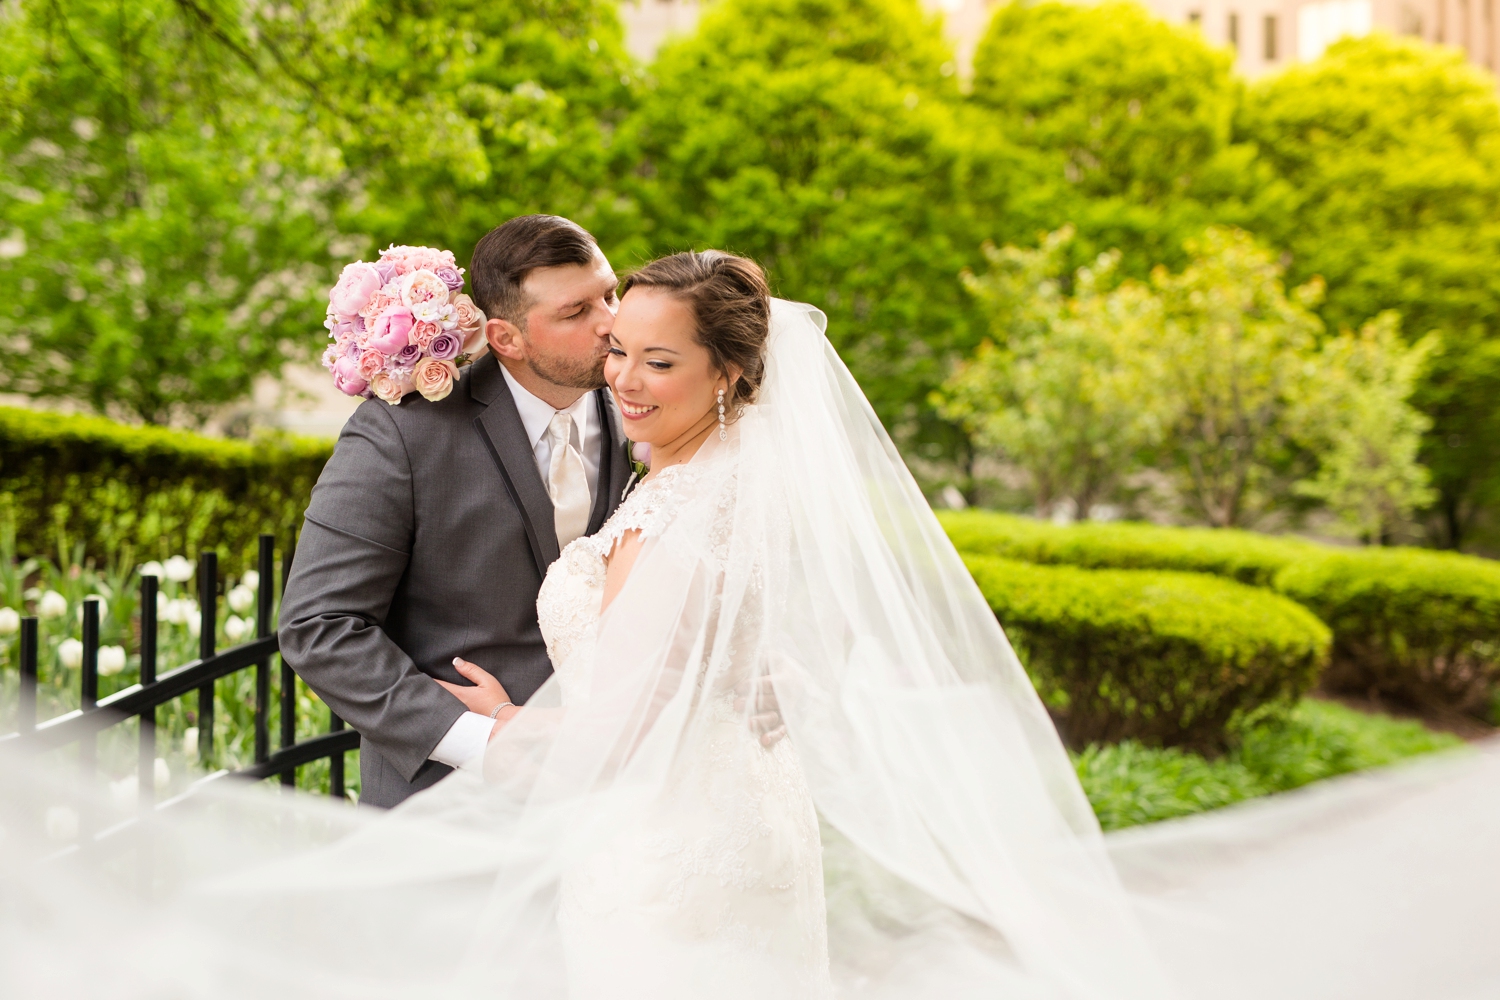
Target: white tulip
[(234, 628), (61, 823), (52, 605), (103, 609), (126, 792), (251, 579), (161, 605), (153, 568), (10, 621), (178, 569), (190, 740), (111, 660), (195, 626), (241, 598), (161, 774), (70, 654)]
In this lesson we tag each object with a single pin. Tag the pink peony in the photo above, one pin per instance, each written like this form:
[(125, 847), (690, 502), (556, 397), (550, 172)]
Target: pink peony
[(391, 330), (347, 378), (371, 363), (641, 452), (434, 378), (389, 388), (357, 284)]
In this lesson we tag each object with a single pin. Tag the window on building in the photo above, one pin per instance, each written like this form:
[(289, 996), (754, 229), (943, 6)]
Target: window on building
[(1234, 30), (1270, 39)]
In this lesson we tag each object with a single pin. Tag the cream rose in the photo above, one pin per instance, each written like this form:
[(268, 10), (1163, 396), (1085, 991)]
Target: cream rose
[(390, 389), (433, 378), (470, 326)]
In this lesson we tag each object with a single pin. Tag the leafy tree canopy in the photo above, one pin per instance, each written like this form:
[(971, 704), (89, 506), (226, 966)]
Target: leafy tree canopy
[(826, 138)]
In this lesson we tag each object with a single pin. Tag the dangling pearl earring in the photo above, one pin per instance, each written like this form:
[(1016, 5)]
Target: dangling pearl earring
[(723, 432)]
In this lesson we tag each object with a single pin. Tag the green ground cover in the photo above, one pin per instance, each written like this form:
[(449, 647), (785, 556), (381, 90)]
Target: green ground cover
[(1129, 783)]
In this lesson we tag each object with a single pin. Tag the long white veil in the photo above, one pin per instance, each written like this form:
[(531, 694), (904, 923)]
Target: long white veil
[(961, 855)]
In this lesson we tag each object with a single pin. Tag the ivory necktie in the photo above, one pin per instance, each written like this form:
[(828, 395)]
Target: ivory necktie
[(567, 482)]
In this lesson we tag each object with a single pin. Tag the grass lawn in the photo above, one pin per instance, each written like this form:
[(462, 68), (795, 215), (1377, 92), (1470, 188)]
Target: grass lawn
[(1128, 783)]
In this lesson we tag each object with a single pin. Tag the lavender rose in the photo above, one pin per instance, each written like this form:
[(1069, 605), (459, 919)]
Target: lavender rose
[(386, 268), (444, 347), (407, 356), (450, 277)]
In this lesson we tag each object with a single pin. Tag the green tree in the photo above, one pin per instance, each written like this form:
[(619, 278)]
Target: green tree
[(450, 118), (1368, 476), (826, 138), (1132, 112), (1379, 170), (1064, 394), (162, 242)]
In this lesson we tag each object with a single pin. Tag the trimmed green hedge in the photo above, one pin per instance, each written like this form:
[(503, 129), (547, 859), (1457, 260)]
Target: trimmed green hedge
[(149, 492), (1165, 658), (1419, 626), (1412, 624), (1239, 555)]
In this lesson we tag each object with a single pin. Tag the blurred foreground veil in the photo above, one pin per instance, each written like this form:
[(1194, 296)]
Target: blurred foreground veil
[(960, 855)]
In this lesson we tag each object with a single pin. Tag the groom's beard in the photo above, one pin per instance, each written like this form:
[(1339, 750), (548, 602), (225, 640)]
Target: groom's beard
[(574, 373)]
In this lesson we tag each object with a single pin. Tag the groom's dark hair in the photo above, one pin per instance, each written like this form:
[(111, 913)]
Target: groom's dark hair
[(509, 252)]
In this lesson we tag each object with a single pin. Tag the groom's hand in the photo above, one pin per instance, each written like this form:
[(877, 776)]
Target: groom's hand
[(757, 698), (482, 694)]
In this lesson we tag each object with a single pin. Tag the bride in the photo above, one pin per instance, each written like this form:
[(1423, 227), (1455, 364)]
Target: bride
[(779, 557)]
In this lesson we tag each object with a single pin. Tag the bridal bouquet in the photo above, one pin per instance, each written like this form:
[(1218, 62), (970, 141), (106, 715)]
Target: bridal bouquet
[(401, 324)]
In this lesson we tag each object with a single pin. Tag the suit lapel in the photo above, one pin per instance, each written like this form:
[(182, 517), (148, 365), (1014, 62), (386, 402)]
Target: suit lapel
[(505, 437), (614, 462)]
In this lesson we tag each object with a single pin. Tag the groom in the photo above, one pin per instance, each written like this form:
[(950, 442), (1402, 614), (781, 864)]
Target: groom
[(432, 525)]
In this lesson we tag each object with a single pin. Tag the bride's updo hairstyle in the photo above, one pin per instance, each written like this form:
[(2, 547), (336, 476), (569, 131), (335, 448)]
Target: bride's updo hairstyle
[(731, 306)]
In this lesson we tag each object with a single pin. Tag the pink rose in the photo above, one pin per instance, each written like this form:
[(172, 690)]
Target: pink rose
[(641, 452), (380, 302), (346, 377), (390, 389), (434, 378), (423, 333), (371, 362), (391, 330), (358, 282)]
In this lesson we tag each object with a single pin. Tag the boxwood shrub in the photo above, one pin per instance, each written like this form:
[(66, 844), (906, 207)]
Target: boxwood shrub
[(1162, 657), (1239, 555), (148, 491), (1413, 624)]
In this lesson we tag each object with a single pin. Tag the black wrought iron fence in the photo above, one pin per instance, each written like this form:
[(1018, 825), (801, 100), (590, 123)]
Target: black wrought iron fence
[(141, 700)]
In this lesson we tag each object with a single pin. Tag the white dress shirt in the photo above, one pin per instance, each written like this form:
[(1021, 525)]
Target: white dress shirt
[(465, 741)]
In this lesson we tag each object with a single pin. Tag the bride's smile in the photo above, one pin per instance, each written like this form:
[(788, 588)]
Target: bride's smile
[(664, 379)]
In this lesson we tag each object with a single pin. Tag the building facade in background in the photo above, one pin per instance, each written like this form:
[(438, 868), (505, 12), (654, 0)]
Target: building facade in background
[(1266, 35)]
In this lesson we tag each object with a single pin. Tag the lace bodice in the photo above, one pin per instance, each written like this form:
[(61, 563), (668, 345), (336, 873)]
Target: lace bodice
[(728, 863), (568, 605)]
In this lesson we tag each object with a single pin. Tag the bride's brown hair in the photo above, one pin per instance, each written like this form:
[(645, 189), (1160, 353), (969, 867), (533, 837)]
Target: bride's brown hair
[(731, 306)]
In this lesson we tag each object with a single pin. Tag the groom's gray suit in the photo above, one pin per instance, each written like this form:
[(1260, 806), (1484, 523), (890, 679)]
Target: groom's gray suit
[(427, 538)]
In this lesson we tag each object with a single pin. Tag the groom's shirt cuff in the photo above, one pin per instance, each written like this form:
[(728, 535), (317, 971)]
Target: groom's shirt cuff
[(464, 742)]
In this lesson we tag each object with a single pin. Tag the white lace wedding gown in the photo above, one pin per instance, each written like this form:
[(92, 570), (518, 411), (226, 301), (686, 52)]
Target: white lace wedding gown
[(719, 882)]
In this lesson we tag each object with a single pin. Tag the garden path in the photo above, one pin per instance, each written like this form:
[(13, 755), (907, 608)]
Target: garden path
[(1375, 886)]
